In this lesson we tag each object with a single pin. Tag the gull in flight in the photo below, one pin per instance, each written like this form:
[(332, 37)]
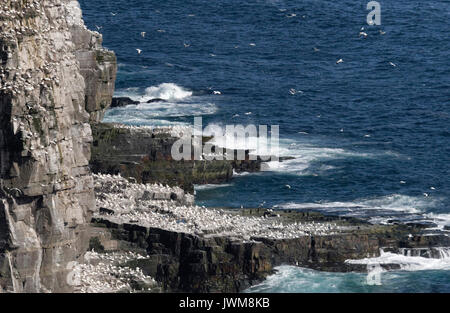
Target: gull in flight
[(316, 49), (339, 61), (216, 92), (364, 34), (139, 51), (382, 32), (186, 45), (288, 186), (143, 34), (393, 64), (113, 14), (98, 27)]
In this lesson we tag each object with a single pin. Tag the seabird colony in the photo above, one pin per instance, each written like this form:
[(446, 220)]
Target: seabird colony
[(158, 206), (107, 273)]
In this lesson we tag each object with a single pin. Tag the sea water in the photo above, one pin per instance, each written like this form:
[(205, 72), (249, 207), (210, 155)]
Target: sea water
[(369, 136)]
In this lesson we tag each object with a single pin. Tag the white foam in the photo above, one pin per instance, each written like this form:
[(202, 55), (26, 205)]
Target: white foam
[(409, 263), (211, 186), (394, 203), (440, 219), (304, 155), (166, 91), (179, 102)]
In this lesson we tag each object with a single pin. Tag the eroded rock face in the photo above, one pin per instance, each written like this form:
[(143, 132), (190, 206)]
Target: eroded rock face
[(47, 195)]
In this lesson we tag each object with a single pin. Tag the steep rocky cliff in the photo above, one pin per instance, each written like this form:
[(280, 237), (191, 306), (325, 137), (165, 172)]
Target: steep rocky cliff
[(55, 78)]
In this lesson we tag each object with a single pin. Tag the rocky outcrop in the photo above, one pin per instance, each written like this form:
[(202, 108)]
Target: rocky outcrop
[(122, 101), (55, 78), (192, 263), (98, 66), (145, 154)]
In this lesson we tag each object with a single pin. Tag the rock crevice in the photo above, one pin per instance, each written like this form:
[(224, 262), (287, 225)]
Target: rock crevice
[(46, 96)]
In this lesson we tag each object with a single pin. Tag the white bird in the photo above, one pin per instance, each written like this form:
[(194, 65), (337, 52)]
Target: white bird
[(402, 182), (252, 44), (393, 64), (143, 34), (288, 186), (432, 188), (363, 34), (316, 49), (216, 92), (99, 27), (248, 113), (113, 14), (186, 45), (382, 32), (425, 194), (236, 115), (339, 61), (139, 51)]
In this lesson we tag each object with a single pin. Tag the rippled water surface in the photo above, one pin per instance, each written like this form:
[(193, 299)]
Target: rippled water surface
[(369, 136)]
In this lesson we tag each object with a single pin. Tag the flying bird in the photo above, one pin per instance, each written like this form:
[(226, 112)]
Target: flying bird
[(139, 51), (339, 61)]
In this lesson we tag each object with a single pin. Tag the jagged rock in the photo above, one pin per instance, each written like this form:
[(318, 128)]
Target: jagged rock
[(146, 156), (53, 74), (193, 263), (97, 65), (156, 100), (122, 101)]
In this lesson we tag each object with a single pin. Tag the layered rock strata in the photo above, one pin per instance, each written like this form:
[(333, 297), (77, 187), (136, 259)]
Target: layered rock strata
[(194, 249), (145, 154), (46, 195)]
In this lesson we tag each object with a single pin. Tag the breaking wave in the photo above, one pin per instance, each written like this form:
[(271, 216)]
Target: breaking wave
[(394, 203), (417, 259)]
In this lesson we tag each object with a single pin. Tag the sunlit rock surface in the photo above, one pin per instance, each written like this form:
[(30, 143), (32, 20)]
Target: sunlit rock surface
[(55, 78)]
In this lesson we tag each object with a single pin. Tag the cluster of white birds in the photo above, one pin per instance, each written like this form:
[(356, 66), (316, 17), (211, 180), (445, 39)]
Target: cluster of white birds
[(105, 273), (14, 9), (152, 206), (174, 131)]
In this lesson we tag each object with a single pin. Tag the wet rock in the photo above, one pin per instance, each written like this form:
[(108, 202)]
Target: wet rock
[(122, 101), (156, 100), (193, 263)]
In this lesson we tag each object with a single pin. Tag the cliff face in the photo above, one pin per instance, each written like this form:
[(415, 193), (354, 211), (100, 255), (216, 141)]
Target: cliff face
[(55, 78)]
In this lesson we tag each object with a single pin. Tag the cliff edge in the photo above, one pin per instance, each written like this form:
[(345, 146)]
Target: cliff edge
[(55, 79)]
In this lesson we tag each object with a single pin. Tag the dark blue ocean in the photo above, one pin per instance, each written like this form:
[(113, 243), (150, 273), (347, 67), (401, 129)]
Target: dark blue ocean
[(370, 136)]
